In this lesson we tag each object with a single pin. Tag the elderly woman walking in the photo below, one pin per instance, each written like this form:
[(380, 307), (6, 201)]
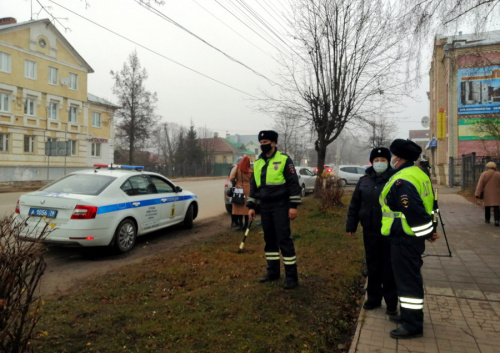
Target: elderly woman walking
[(488, 189)]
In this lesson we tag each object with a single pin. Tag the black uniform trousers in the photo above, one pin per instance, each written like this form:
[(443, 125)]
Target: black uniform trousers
[(406, 254), (381, 282), (277, 235)]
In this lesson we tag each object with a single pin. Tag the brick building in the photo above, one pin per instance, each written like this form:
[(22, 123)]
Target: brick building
[(464, 99)]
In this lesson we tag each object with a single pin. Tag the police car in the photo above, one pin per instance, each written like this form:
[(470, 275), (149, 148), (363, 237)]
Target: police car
[(109, 205)]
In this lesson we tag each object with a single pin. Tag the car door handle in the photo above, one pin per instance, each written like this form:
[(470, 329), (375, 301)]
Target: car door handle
[(136, 203)]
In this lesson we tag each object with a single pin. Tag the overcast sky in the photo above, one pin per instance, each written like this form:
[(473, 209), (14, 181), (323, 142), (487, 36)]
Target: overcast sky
[(194, 81)]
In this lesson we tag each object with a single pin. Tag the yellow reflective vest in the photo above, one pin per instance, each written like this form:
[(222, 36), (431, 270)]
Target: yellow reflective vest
[(275, 170), (422, 183)]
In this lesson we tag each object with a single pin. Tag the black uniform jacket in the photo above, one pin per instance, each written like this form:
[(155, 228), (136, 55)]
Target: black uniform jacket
[(365, 206), (404, 197), (289, 191)]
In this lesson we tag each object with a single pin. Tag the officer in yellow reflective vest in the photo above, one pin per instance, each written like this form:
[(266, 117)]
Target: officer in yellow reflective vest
[(407, 218), (275, 183)]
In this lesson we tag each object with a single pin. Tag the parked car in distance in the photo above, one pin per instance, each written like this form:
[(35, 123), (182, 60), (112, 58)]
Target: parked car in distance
[(349, 174), (307, 180), (328, 168), (109, 205)]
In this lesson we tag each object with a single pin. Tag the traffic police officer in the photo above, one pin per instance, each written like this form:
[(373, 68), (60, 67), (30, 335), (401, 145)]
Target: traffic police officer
[(276, 184), (407, 218)]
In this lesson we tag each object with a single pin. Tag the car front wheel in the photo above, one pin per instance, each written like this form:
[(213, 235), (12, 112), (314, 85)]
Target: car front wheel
[(342, 182), (125, 236), (188, 218), (303, 190)]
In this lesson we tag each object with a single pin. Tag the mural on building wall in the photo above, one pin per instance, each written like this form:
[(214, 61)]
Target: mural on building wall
[(468, 130), (479, 90)]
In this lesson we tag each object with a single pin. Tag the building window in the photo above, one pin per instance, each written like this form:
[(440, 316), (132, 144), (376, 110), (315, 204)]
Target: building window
[(96, 149), (53, 75), (30, 69), (72, 114), (29, 144), (96, 119), (5, 65), (73, 147), (4, 142), (52, 112), (29, 106), (73, 81), (4, 102)]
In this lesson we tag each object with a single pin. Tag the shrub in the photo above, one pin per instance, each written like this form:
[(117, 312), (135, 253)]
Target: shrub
[(21, 268), (330, 191)]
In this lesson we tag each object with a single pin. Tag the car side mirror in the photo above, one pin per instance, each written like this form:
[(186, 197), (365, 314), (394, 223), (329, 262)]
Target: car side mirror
[(178, 189)]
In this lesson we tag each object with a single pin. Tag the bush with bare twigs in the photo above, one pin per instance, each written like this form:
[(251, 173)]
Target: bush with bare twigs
[(21, 268), (329, 190)]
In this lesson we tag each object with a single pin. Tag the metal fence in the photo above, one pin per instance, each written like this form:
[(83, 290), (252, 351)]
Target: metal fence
[(472, 167)]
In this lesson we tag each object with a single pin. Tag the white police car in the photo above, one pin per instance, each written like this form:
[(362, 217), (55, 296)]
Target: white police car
[(106, 206)]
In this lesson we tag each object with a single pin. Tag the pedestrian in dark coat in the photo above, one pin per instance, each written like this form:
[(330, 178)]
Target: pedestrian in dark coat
[(365, 209)]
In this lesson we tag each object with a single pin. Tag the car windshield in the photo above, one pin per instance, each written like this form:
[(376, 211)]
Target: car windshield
[(85, 184)]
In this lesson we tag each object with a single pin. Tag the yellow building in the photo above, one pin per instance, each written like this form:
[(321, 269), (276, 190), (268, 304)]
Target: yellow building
[(43, 99)]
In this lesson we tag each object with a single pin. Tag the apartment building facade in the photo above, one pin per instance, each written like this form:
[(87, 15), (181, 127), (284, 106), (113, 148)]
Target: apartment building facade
[(49, 123)]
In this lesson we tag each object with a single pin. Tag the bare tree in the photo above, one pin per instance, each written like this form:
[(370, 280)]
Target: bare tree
[(488, 131), (427, 16), (137, 106), (381, 132), (351, 53), (293, 135)]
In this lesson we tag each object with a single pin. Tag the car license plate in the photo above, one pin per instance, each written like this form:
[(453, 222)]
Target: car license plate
[(42, 212)]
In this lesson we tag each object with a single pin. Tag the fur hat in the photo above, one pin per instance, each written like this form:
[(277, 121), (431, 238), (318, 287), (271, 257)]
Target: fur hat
[(491, 165), (380, 152), (406, 149), (268, 135)]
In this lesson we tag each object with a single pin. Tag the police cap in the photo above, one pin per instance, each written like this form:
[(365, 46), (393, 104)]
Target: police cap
[(380, 152), (268, 135), (405, 149)]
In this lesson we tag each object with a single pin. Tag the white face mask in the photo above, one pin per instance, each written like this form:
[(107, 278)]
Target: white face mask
[(380, 167), (393, 165)]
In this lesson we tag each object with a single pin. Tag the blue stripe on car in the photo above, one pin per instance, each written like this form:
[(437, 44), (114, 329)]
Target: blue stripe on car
[(144, 203)]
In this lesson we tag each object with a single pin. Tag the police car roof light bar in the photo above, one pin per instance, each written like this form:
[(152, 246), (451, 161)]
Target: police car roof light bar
[(118, 166)]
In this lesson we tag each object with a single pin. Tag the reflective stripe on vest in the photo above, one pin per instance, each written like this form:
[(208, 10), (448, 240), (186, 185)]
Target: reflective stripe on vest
[(274, 170), (423, 185)]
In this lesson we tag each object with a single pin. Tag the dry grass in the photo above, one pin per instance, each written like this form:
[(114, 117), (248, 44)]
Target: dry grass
[(206, 298)]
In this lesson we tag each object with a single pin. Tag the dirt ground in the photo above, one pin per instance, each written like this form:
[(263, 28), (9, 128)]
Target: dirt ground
[(67, 267)]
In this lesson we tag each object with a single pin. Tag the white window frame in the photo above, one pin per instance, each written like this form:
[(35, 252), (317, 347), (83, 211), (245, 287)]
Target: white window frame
[(29, 142), (73, 114), (5, 63), (4, 102), (53, 75), (4, 142), (95, 149), (73, 81), (52, 109), (96, 119), (29, 106), (30, 69)]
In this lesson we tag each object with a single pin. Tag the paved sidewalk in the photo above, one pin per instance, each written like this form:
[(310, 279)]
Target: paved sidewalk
[(462, 292)]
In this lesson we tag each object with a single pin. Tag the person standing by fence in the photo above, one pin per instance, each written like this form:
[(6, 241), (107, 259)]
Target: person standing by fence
[(488, 190)]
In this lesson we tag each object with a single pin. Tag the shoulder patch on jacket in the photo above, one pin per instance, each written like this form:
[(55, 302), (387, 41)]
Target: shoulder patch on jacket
[(405, 201), (292, 168)]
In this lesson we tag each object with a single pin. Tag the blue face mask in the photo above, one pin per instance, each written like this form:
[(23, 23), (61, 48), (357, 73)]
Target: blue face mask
[(380, 167)]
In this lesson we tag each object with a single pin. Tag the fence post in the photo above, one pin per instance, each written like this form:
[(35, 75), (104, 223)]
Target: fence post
[(473, 162), (463, 172), (451, 171)]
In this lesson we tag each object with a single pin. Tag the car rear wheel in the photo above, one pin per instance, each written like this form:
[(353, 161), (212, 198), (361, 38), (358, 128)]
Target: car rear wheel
[(125, 236), (303, 190), (188, 218)]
